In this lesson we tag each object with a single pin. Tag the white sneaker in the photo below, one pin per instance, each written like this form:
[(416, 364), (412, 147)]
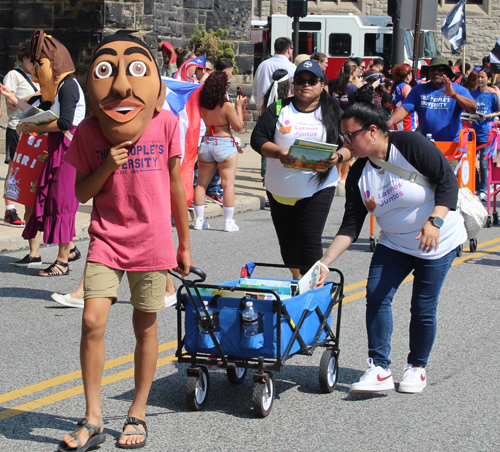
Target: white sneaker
[(230, 226), (375, 379), (483, 197), (68, 300), (170, 300), (414, 379), (201, 223)]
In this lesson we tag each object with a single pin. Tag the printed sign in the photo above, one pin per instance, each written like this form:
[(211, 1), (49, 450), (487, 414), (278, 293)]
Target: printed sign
[(27, 165)]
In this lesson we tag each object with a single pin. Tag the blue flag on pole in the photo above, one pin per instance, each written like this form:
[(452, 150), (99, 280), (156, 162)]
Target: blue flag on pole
[(453, 27)]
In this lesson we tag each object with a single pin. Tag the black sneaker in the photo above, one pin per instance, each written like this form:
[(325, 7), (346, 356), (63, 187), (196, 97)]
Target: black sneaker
[(267, 205), (12, 219), (29, 262)]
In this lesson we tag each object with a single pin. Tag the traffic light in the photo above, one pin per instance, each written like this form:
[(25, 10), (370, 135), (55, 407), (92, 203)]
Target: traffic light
[(296, 8), (394, 8)]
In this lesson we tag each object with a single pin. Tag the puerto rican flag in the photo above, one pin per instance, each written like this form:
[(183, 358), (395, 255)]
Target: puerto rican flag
[(181, 73), (183, 100)]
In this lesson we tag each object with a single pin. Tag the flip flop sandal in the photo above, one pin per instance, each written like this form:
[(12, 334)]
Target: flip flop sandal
[(96, 437), (133, 421), (54, 269), (78, 255)]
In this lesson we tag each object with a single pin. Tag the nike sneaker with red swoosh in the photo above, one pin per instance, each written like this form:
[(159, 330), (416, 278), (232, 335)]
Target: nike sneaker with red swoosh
[(375, 379), (414, 379)]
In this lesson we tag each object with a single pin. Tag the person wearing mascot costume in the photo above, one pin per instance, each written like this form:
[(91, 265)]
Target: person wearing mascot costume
[(55, 204), (127, 157)]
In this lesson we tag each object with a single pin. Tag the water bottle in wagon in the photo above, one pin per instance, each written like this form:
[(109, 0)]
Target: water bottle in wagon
[(250, 319), (203, 316)]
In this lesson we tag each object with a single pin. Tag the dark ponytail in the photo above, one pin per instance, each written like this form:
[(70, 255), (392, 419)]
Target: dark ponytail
[(331, 116)]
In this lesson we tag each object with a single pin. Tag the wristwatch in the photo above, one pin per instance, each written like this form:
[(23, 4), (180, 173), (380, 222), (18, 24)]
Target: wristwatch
[(436, 221)]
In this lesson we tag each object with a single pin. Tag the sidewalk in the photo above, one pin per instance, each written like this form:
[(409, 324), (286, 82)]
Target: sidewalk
[(250, 195)]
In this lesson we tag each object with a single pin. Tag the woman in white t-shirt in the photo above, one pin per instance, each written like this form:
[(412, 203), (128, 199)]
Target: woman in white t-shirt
[(420, 234), (19, 81), (300, 200)]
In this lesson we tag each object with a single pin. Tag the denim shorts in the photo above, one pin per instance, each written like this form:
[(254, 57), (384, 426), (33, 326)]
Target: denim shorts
[(216, 149)]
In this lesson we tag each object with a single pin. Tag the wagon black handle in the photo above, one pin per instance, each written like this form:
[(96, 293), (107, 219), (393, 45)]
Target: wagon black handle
[(195, 270)]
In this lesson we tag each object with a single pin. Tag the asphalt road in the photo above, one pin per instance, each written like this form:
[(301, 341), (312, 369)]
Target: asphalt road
[(41, 395)]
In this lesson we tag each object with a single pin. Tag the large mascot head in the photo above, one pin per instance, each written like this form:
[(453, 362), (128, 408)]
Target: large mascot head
[(124, 87), (52, 63)]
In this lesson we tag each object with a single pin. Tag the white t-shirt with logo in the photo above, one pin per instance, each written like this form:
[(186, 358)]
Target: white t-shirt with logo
[(400, 207), (292, 183)]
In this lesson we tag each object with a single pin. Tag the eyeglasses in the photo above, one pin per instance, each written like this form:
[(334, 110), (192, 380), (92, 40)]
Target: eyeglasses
[(348, 137), (437, 69), (362, 67), (311, 81)]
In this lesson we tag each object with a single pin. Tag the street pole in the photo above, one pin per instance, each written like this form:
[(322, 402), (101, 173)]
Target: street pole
[(398, 36), (416, 42), (463, 58), (295, 37)]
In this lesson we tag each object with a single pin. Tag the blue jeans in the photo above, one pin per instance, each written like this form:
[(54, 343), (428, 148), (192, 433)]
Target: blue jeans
[(388, 269), (481, 183)]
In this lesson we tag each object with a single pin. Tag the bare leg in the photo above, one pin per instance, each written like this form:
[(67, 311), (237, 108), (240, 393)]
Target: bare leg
[(170, 289), (295, 273), (227, 170), (35, 245), (61, 257), (78, 293), (146, 355), (206, 171), (92, 357)]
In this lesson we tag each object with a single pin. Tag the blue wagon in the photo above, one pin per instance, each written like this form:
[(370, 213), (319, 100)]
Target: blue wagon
[(295, 325)]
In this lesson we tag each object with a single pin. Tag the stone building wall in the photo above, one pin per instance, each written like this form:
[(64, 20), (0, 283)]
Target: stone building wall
[(481, 22), (80, 24), (175, 20), (76, 23)]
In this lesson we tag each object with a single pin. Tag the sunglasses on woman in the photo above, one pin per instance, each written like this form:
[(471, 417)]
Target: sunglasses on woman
[(348, 137), (310, 81)]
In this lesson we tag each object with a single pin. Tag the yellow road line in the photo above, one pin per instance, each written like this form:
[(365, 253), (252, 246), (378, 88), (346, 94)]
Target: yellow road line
[(49, 400), (62, 395), (28, 390)]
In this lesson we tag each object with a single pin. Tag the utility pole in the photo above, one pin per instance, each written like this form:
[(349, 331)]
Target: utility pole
[(416, 45), (398, 34)]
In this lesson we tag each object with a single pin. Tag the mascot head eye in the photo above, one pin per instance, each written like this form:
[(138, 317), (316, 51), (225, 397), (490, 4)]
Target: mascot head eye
[(138, 69), (104, 70)]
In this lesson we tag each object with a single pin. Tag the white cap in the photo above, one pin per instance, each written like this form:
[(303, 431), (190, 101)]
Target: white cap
[(205, 302), (249, 303)]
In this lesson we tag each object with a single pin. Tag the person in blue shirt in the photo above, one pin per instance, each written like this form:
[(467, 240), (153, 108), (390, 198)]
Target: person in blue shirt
[(488, 105), (438, 103)]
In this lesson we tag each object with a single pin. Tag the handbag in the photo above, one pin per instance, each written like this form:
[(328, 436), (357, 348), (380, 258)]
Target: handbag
[(472, 208), (473, 211)]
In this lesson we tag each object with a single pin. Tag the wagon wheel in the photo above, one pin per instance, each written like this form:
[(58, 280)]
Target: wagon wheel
[(460, 250), (328, 370), (263, 395), (373, 244), (197, 389), (236, 375), (473, 245), (495, 217), (488, 222)]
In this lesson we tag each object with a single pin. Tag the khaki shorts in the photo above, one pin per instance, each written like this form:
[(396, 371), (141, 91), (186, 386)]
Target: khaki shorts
[(147, 288)]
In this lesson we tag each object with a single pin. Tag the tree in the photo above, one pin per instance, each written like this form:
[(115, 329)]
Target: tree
[(211, 44)]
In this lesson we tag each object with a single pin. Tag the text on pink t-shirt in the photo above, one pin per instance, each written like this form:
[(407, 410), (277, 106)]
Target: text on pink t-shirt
[(130, 225)]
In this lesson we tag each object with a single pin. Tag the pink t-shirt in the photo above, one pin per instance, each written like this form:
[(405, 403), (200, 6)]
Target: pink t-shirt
[(165, 49), (130, 226)]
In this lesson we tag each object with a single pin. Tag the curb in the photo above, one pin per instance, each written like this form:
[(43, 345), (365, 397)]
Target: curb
[(242, 204)]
